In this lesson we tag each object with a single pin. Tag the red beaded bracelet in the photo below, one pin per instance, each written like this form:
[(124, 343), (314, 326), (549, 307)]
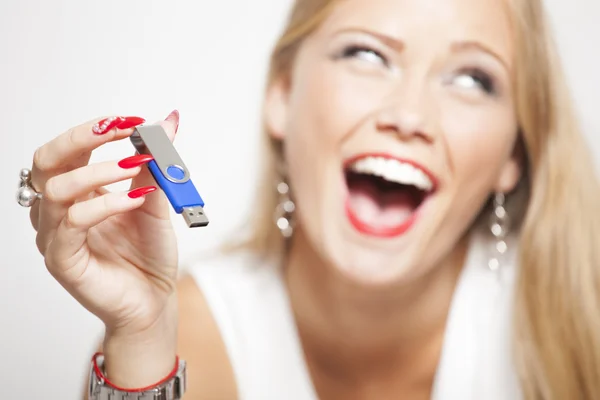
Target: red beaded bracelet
[(102, 377)]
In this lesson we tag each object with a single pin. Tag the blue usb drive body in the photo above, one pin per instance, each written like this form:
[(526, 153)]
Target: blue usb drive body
[(170, 173)]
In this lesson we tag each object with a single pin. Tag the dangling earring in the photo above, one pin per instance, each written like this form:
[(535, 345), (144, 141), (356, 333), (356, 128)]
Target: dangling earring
[(499, 228), (284, 210)]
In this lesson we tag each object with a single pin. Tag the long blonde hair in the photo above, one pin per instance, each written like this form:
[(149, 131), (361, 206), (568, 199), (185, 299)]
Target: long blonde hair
[(557, 303)]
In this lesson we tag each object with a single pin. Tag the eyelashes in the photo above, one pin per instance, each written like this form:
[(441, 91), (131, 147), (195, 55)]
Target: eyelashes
[(466, 78), (363, 52), (479, 78)]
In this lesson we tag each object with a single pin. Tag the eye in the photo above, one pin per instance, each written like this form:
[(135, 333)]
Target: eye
[(475, 78), (364, 53)]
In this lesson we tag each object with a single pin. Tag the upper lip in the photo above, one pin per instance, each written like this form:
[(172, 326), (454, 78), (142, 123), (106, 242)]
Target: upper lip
[(434, 179)]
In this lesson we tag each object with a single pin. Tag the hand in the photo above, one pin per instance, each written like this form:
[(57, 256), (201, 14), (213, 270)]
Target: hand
[(115, 253)]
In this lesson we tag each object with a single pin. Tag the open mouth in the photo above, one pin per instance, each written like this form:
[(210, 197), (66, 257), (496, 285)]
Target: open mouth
[(385, 194)]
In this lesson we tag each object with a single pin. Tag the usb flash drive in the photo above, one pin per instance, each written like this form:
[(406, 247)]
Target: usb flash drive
[(170, 173)]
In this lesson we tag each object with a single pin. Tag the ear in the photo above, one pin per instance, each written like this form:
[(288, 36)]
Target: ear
[(276, 108), (511, 171)]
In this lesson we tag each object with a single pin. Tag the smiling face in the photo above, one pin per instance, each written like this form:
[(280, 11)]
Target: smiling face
[(398, 124)]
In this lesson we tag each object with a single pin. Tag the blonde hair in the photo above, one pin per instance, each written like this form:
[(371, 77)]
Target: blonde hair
[(557, 301)]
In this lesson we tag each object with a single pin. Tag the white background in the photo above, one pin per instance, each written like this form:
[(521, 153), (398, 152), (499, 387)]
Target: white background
[(64, 62)]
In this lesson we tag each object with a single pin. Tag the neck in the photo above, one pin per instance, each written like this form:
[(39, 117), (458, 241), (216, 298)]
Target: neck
[(352, 331)]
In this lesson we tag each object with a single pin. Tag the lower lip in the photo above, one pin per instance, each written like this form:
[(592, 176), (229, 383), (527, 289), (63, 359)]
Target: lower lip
[(379, 232)]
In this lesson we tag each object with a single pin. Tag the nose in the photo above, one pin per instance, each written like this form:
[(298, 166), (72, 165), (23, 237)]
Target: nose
[(407, 113)]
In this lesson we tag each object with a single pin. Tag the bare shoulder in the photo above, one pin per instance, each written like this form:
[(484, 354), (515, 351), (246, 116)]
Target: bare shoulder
[(210, 375)]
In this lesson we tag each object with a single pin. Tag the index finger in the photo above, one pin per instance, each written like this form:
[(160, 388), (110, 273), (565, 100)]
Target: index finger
[(73, 148)]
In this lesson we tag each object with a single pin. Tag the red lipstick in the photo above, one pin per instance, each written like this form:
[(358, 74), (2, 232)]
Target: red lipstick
[(371, 204)]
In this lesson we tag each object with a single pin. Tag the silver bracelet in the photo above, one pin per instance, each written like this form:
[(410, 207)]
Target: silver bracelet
[(171, 388)]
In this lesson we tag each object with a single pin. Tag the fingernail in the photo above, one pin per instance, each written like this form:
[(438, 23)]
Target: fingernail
[(174, 116), (130, 122), (116, 122), (139, 192), (106, 125), (135, 161)]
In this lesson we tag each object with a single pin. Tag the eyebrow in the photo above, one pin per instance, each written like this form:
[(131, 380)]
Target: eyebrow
[(390, 41), (399, 45), (474, 45)]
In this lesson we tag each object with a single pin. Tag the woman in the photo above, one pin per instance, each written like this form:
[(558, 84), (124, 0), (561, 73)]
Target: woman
[(435, 222)]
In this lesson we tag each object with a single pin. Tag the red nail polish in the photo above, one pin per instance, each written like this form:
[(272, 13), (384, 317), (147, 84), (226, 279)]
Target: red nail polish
[(106, 125), (130, 122), (139, 192), (135, 161)]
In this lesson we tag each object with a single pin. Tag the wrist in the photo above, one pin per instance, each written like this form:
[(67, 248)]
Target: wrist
[(171, 387), (134, 359), (101, 379)]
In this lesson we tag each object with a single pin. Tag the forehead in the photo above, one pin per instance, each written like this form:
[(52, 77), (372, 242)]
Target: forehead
[(429, 21)]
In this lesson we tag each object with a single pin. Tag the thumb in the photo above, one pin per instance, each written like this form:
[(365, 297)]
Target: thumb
[(157, 203), (171, 124)]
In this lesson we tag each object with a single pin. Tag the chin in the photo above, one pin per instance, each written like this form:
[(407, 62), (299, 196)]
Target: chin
[(366, 267), (383, 221)]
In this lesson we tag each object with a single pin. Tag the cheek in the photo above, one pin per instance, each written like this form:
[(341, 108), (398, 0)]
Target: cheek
[(323, 110), (479, 141), (316, 125), (327, 105)]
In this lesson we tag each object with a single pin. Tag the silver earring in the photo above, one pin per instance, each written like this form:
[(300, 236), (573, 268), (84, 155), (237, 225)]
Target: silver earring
[(499, 226), (284, 210)]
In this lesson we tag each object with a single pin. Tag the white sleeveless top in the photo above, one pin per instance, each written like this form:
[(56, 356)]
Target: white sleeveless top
[(250, 305)]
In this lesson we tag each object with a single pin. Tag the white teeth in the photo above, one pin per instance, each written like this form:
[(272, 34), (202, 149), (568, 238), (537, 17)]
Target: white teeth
[(393, 171)]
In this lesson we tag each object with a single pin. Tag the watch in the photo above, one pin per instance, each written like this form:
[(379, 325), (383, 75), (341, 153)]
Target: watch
[(171, 388)]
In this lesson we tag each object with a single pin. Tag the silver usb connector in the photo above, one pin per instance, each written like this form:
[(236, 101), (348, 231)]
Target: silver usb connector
[(195, 216)]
